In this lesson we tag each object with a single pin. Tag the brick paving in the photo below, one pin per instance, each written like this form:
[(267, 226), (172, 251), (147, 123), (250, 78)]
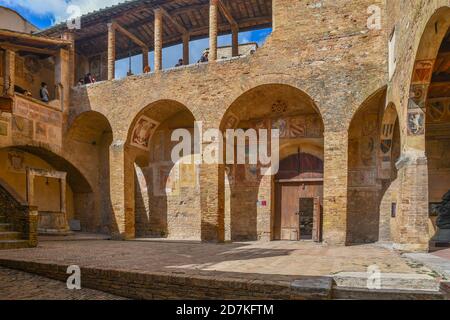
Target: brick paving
[(255, 260), (444, 254), (17, 285)]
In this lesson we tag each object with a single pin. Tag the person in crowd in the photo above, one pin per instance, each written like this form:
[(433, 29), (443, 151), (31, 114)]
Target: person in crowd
[(180, 63), (80, 82), (43, 92), (147, 69), (205, 57), (88, 79)]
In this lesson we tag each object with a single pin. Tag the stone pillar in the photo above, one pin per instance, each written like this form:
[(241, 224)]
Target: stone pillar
[(111, 51), (412, 232), (10, 73), (335, 188), (158, 39), (62, 79), (72, 73), (62, 185), (235, 41), (212, 193), (213, 29), (186, 39), (122, 192), (144, 58)]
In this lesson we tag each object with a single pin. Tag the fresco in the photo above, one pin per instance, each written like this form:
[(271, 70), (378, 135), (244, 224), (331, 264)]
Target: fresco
[(142, 133)]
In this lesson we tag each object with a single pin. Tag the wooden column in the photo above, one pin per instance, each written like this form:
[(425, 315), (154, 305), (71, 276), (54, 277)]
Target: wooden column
[(158, 39), (235, 41), (10, 73), (144, 58), (111, 51), (186, 38), (213, 29)]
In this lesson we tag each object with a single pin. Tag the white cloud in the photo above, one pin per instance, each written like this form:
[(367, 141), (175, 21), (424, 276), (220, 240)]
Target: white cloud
[(58, 8)]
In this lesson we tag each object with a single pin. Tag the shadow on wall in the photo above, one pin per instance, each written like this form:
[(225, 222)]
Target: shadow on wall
[(88, 139)]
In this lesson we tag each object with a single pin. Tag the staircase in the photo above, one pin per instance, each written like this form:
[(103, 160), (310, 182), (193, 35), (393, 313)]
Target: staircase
[(18, 220), (8, 238)]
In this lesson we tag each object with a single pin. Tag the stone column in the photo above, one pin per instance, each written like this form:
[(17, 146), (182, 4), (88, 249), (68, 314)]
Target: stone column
[(30, 188), (9, 73), (62, 79), (235, 41), (122, 192), (72, 73), (335, 188), (158, 39), (111, 51), (213, 29), (186, 38), (412, 232), (62, 184), (144, 58)]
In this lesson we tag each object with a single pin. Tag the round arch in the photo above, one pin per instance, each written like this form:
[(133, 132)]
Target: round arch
[(91, 127), (161, 188), (364, 185), (251, 203), (79, 199)]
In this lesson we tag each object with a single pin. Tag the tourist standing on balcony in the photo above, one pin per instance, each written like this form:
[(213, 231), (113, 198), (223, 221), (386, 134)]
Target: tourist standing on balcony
[(179, 64), (89, 79), (43, 92), (205, 57)]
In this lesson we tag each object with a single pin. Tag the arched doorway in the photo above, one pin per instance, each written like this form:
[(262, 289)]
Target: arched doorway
[(253, 206), (437, 129), (428, 133), (298, 197), (364, 183), (58, 204), (166, 193), (90, 133)]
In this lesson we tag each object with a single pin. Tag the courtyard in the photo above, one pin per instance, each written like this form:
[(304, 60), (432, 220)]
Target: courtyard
[(269, 264)]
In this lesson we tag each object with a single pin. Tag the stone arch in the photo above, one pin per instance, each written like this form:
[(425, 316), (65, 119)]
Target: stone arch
[(364, 185), (425, 63), (249, 196), (91, 134), (165, 195), (423, 164), (79, 197)]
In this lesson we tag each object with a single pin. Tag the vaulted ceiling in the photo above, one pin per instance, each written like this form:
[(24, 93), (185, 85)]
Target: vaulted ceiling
[(440, 86)]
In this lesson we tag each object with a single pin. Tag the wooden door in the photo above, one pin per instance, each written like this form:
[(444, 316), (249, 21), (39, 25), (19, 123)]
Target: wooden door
[(298, 211), (290, 226)]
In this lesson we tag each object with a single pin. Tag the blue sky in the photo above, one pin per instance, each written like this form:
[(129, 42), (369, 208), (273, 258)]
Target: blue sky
[(45, 13)]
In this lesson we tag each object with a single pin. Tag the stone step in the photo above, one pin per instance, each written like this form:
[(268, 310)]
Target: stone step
[(388, 281), (5, 227), (13, 244), (9, 235)]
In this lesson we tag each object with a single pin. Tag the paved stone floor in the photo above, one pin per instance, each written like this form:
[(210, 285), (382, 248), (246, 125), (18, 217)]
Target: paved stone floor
[(444, 254), (17, 285), (274, 260)]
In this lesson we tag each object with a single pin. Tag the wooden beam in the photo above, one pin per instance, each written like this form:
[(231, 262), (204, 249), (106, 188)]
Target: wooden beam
[(16, 47), (33, 38), (227, 14), (177, 25), (128, 34)]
